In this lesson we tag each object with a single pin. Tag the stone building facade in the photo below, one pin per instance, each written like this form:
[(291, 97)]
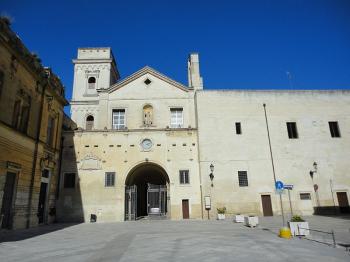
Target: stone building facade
[(148, 146), (31, 115)]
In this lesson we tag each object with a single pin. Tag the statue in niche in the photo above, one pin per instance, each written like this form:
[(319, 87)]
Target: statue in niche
[(147, 115)]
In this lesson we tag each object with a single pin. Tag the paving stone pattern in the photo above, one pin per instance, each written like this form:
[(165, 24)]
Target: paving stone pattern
[(164, 241)]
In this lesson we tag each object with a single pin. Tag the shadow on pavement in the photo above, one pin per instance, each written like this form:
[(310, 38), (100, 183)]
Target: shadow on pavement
[(22, 234), (340, 216)]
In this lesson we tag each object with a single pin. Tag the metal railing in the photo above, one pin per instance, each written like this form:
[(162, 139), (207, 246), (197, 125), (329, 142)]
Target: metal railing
[(320, 231)]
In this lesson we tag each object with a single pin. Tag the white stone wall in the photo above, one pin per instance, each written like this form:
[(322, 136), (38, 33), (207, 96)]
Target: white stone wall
[(311, 110)]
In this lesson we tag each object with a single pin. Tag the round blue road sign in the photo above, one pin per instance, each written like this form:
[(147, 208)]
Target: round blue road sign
[(279, 185)]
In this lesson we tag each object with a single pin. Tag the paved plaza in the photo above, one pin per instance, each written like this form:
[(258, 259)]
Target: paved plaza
[(172, 241)]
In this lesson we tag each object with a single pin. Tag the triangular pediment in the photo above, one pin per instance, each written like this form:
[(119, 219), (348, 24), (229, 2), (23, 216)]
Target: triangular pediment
[(142, 72)]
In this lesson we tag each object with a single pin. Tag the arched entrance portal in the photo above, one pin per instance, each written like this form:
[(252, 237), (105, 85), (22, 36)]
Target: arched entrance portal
[(146, 191)]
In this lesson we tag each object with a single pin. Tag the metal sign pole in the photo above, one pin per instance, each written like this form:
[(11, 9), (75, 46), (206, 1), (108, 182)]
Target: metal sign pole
[(290, 203), (282, 210)]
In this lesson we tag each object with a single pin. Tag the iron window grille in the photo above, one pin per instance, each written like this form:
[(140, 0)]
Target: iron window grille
[(109, 179), (242, 178), (305, 196)]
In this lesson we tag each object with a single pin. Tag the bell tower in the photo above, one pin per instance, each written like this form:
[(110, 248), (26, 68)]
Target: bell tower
[(94, 69)]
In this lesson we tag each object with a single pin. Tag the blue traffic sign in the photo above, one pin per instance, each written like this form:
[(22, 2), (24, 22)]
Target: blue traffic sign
[(279, 185)]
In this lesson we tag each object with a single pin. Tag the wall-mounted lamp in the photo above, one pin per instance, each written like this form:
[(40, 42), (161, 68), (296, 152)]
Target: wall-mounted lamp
[(312, 172), (211, 175)]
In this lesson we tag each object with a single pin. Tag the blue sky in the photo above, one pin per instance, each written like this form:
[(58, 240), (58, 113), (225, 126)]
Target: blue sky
[(242, 44)]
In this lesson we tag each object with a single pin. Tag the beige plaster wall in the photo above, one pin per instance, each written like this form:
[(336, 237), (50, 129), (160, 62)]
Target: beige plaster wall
[(311, 110)]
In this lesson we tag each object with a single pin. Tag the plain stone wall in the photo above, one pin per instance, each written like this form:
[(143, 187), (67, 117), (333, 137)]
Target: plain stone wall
[(311, 110)]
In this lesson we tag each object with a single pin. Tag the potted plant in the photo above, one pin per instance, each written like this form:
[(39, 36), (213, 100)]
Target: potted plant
[(251, 221), (298, 226), (238, 218), (221, 213)]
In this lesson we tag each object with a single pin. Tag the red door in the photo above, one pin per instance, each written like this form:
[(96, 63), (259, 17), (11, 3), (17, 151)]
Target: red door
[(185, 209), (343, 202), (267, 206)]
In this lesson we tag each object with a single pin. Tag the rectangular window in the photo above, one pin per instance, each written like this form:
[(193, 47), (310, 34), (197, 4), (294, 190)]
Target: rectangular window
[(305, 196), (45, 173), (109, 179), (292, 130), (16, 112), (1, 82), (334, 129), (69, 180), (238, 128), (184, 177), (118, 118), (24, 119), (176, 117), (50, 130), (242, 178)]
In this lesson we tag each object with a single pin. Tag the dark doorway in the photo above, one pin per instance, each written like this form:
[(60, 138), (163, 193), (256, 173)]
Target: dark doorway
[(7, 200), (266, 204), (143, 184), (42, 202), (185, 209), (343, 202)]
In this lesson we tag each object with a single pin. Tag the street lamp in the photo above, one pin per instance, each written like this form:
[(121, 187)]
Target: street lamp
[(211, 175)]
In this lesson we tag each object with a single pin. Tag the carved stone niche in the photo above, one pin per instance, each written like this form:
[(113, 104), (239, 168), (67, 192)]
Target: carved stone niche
[(90, 162)]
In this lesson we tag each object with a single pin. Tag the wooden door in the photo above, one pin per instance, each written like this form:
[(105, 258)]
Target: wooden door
[(185, 209), (42, 202), (266, 204), (7, 200), (343, 202)]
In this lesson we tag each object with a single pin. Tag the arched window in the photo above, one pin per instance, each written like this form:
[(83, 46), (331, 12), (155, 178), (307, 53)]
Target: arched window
[(147, 115), (89, 122), (92, 82)]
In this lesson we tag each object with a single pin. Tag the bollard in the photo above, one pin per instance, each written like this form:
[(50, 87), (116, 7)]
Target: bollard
[(285, 233)]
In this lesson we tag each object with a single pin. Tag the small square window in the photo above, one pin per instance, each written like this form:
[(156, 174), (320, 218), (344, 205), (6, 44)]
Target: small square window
[(69, 180), (109, 179), (305, 196), (292, 130), (242, 178), (45, 173), (147, 81), (238, 128), (334, 129), (184, 177)]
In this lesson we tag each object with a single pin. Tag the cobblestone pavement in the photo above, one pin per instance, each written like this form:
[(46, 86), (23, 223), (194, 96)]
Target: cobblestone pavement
[(167, 241)]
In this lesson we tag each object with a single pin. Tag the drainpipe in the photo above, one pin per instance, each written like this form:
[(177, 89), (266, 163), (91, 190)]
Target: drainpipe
[(35, 156), (59, 169), (272, 163), (198, 153)]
